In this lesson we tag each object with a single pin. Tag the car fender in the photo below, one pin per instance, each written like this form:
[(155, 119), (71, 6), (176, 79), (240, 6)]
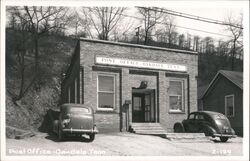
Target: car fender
[(178, 127), (208, 130), (55, 126)]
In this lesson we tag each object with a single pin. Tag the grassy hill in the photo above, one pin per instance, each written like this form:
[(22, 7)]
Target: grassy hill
[(54, 58)]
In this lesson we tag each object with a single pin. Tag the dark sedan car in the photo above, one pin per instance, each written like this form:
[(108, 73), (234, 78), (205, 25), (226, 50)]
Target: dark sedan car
[(211, 123), (75, 119)]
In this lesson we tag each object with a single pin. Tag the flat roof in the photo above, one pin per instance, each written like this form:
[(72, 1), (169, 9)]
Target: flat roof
[(138, 46)]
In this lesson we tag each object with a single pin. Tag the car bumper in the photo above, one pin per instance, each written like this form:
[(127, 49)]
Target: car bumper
[(225, 135), (80, 131)]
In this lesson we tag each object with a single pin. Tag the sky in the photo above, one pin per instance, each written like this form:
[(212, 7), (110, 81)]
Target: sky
[(209, 9), (212, 13)]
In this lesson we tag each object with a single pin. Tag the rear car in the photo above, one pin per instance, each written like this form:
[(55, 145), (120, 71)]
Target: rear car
[(75, 120), (213, 124)]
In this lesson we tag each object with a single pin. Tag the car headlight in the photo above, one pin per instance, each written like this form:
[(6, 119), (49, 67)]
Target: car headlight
[(65, 122)]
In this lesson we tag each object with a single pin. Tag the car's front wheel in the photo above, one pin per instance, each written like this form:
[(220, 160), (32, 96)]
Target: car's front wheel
[(60, 135), (91, 137), (223, 139), (178, 128)]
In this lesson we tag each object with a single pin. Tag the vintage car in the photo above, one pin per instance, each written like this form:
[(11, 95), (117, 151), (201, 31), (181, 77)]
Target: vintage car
[(75, 119), (211, 123)]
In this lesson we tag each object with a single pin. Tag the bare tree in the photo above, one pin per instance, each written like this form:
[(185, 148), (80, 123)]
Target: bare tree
[(188, 41), (103, 19), (209, 45), (223, 48), (181, 42), (78, 23), (170, 28), (123, 31), (236, 30), (42, 20), (160, 35), (75, 21), (196, 43), (33, 22), (19, 49), (150, 18)]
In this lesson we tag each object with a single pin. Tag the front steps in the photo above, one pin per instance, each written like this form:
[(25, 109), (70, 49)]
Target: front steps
[(147, 128), (157, 130), (187, 137)]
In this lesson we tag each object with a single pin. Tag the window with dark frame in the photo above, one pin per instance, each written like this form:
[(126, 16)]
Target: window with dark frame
[(176, 95), (229, 105), (106, 92)]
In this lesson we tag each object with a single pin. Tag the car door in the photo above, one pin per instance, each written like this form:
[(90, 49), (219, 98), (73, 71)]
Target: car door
[(200, 122), (189, 124)]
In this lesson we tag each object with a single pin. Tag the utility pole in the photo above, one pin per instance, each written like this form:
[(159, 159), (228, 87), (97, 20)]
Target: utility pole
[(138, 34)]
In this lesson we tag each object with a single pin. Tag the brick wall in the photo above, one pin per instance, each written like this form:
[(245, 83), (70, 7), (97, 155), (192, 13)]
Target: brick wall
[(107, 122), (72, 74), (125, 80)]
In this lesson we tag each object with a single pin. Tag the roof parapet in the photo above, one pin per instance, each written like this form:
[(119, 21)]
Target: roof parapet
[(139, 46)]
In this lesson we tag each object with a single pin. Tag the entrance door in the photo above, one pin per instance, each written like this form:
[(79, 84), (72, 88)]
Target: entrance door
[(138, 113), (143, 105)]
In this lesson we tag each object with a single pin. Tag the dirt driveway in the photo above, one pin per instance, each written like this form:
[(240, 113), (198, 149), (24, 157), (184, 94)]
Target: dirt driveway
[(120, 144)]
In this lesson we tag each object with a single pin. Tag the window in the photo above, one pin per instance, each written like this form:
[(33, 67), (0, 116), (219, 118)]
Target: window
[(176, 96), (137, 103), (229, 105), (106, 92), (200, 117), (191, 116), (79, 110)]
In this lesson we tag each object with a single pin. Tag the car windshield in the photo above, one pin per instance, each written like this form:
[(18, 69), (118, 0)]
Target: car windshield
[(77, 110)]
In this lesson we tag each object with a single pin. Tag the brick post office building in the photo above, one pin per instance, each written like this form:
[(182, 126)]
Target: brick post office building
[(128, 83)]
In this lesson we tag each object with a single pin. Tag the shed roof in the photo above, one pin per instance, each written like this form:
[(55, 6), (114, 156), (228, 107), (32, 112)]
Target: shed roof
[(234, 76)]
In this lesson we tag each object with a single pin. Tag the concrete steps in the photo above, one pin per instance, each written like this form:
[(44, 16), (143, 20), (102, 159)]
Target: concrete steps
[(187, 137), (157, 130), (147, 128)]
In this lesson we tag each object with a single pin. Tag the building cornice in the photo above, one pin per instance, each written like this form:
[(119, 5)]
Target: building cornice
[(139, 46)]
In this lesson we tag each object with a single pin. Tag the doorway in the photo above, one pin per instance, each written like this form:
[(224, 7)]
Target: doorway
[(143, 105)]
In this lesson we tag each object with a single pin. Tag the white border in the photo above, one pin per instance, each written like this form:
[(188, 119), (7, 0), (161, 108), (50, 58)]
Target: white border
[(181, 4)]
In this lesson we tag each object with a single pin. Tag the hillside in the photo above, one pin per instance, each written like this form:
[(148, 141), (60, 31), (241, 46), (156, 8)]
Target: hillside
[(55, 52)]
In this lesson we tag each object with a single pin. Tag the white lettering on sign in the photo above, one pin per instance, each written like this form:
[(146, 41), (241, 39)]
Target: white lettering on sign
[(139, 64)]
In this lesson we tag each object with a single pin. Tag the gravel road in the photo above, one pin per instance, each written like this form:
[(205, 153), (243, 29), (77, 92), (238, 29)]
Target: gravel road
[(120, 144)]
